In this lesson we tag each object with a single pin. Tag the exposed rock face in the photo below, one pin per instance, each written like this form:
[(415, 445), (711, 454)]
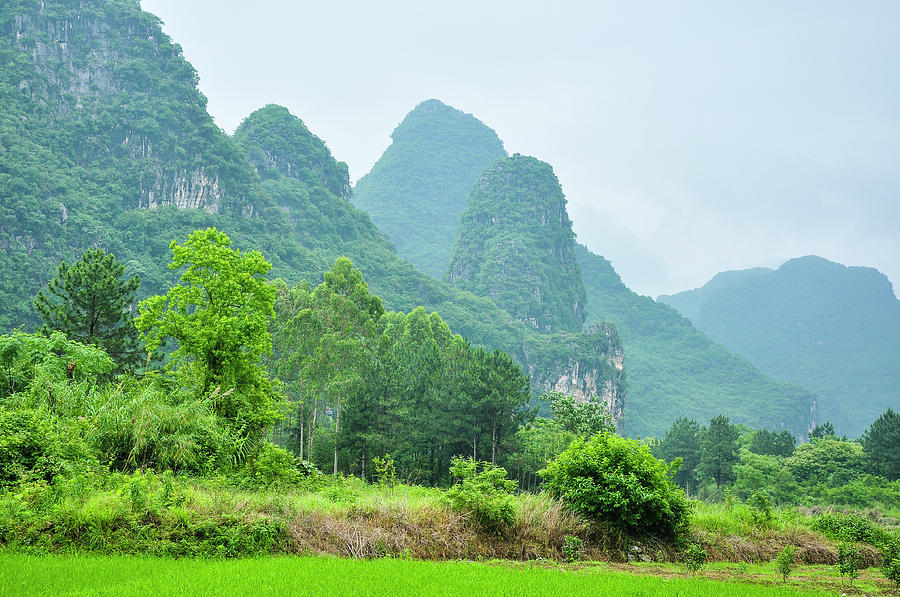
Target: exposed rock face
[(515, 244), (586, 365), (124, 90), (186, 190)]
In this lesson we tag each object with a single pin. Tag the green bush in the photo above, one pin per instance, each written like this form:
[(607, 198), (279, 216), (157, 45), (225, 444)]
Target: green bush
[(485, 494), (274, 466), (851, 527), (890, 562), (849, 560), (29, 447), (784, 561), (694, 557), (618, 482), (573, 548)]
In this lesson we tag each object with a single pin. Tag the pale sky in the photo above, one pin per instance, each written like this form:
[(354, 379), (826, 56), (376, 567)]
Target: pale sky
[(689, 137)]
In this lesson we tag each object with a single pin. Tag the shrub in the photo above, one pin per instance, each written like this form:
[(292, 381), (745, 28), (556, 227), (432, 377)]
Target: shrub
[(617, 481), (485, 494), (273, 466), (694, 557), (849, 560), (28, 447), (851, 527), (573, 548), (890, 562), (385, 471), (784, 561)]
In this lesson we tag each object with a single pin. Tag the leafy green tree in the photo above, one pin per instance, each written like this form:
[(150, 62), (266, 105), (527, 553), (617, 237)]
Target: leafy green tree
[(617, 482), (342, 318), (828, 461), (581, 418), (881, 442), (218, 314), (770, 443), (682, 440), (90, 302), (719, 451)]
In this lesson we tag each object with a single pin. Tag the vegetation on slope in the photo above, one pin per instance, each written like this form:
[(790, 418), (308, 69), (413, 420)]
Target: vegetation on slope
[(418, 189), (830, 328), (674, 370), (515, 244)]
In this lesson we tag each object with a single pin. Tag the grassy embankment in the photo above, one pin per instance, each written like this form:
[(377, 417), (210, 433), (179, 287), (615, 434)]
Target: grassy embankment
[(167, 516)]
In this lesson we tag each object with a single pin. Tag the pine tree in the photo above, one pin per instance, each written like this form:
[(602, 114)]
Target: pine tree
[(90, 302), (881, 442), (719, 450)]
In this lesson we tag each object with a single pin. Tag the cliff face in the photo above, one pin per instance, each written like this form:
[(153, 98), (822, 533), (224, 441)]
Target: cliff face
[(419, 188), (586, 365), (106, 75), (515, 244)]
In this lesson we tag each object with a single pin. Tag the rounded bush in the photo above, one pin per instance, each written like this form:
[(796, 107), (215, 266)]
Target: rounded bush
[(617, 481)]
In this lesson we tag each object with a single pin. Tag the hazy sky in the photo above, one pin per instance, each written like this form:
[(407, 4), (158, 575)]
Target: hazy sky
[(689, 137)]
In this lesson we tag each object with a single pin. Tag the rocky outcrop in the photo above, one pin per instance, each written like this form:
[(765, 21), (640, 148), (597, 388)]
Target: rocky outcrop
[(588, 366), (194, 189)]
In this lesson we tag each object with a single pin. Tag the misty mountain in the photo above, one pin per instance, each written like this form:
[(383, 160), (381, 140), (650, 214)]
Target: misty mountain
[(831, 328)]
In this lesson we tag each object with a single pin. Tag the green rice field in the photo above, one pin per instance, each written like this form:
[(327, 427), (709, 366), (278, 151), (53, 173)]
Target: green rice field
[(336, 577)]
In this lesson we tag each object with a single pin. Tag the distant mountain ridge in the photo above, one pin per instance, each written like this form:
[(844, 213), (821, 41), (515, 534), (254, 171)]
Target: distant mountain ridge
[(832, 328)]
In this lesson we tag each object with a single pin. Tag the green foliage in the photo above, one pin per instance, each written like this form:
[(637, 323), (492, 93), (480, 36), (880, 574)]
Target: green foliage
[(385, 471), (583, 419), (785, 561), (671, 364), (682, 441), (849, 560), (769, 443), (274, 466), (516, 245), (617, 482), (890, 562), (573, 548), (29, 449), (822, 431), (418, 189), (852, 527), (821, 325), (694, 557), (218, 313), (881, 442), (90, 303), (486, 493), (828, 461), (719, 450)]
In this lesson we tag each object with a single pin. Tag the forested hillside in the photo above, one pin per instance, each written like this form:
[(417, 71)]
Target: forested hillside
[(515, 244), (418, 189), (833, 329), (106, 142), (674, 370)]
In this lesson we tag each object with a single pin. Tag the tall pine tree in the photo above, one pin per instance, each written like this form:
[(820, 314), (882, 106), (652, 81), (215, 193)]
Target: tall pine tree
[(90, 302)]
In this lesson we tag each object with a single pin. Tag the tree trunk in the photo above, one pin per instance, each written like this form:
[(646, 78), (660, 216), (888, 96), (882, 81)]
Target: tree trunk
[(337, 431), (312, 427), (301, 424), (494, 442)]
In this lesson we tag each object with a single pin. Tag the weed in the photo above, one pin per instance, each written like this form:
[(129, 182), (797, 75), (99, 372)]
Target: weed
[(573, 549), (694, 557)]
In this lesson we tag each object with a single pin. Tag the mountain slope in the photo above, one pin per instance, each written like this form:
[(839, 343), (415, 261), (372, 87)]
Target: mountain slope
[(515, 244), (833, 329), (674, 370), (419, 188)]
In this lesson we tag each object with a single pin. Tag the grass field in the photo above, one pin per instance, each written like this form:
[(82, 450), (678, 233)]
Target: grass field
[(336, 577)]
